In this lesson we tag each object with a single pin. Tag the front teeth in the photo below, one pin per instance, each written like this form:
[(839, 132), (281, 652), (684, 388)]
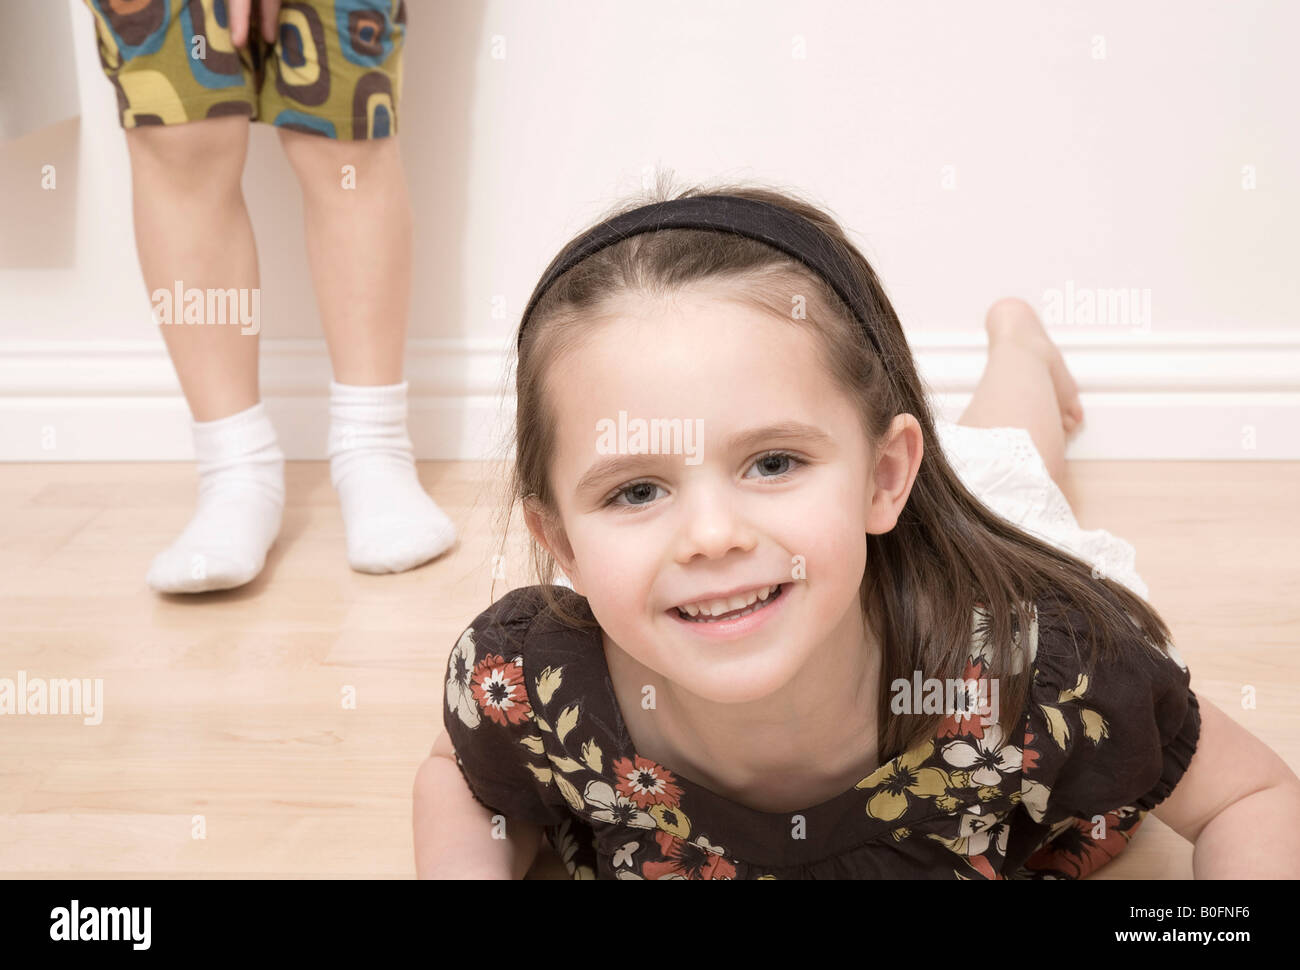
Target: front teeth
[(718, 607)]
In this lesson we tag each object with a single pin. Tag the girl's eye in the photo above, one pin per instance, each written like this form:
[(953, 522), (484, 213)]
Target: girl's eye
[(765, 461), (645, 490)]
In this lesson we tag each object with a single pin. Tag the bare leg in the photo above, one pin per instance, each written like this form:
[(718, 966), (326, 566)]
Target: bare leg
[(1026, 384), (358, 219), (191, 225), (359, 246), (192, 229)]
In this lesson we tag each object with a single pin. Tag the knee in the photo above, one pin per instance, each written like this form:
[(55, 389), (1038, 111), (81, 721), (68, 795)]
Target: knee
[(319, 162), (207, 154), (312, 155), (1011, 317)]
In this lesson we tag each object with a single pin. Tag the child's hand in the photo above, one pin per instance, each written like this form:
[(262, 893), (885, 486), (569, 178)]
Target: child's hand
[(239, 15), (451, 829)]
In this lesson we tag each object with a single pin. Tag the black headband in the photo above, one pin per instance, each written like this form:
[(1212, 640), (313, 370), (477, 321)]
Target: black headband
[(788, 232)]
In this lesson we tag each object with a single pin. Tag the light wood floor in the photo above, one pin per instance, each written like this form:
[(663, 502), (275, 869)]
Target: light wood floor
[(229, 705)]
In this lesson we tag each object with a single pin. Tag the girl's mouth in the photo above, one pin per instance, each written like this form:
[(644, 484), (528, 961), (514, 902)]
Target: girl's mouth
[(755, 607)]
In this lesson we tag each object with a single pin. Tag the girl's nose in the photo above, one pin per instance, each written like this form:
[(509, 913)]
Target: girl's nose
[(713, 524)]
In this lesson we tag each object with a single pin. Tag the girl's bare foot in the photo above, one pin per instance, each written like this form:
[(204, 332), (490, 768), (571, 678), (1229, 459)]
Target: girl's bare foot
[(1014, 319)]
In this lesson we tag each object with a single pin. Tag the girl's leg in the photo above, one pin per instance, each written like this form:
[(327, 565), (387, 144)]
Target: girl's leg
[(358, 228), (192, 230), (1026, 384), (191, 225)]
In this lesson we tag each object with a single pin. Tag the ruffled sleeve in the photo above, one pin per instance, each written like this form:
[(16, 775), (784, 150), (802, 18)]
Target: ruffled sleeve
[(488, 713), (1118, 736)]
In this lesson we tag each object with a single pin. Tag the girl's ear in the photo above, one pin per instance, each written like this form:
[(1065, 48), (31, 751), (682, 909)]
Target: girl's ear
[(897, 461), (551, 535)]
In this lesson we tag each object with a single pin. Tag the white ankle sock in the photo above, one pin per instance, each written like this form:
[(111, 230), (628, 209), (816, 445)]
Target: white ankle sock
[(240, 506), (391, 522)]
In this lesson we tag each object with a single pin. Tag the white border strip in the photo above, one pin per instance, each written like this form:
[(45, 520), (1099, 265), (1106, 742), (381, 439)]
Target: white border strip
[(1188, 395)]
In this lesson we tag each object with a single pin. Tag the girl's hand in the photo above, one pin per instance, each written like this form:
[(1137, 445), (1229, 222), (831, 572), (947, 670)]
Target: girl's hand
[(453, 832), (239, 16), (1237, 802)]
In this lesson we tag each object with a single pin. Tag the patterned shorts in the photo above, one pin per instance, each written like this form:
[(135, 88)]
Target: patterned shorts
[(335, 68)]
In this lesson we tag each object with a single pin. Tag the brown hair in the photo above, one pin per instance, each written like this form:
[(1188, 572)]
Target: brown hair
[(947, 553)]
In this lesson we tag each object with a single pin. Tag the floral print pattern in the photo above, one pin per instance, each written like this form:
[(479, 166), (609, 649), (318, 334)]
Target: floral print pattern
[(538, 735), (645, 782), (498, 687)]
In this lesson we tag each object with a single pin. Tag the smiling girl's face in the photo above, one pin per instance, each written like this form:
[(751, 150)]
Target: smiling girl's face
[(748, 509)]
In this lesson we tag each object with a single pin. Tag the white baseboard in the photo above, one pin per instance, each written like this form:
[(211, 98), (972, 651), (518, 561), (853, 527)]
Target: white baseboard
[(1186, 395)]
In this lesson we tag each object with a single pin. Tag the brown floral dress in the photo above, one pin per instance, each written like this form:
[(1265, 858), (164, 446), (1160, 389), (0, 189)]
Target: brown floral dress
[(531, 711)]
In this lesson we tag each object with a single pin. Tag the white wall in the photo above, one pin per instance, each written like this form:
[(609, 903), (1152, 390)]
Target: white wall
[(974, 150)]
